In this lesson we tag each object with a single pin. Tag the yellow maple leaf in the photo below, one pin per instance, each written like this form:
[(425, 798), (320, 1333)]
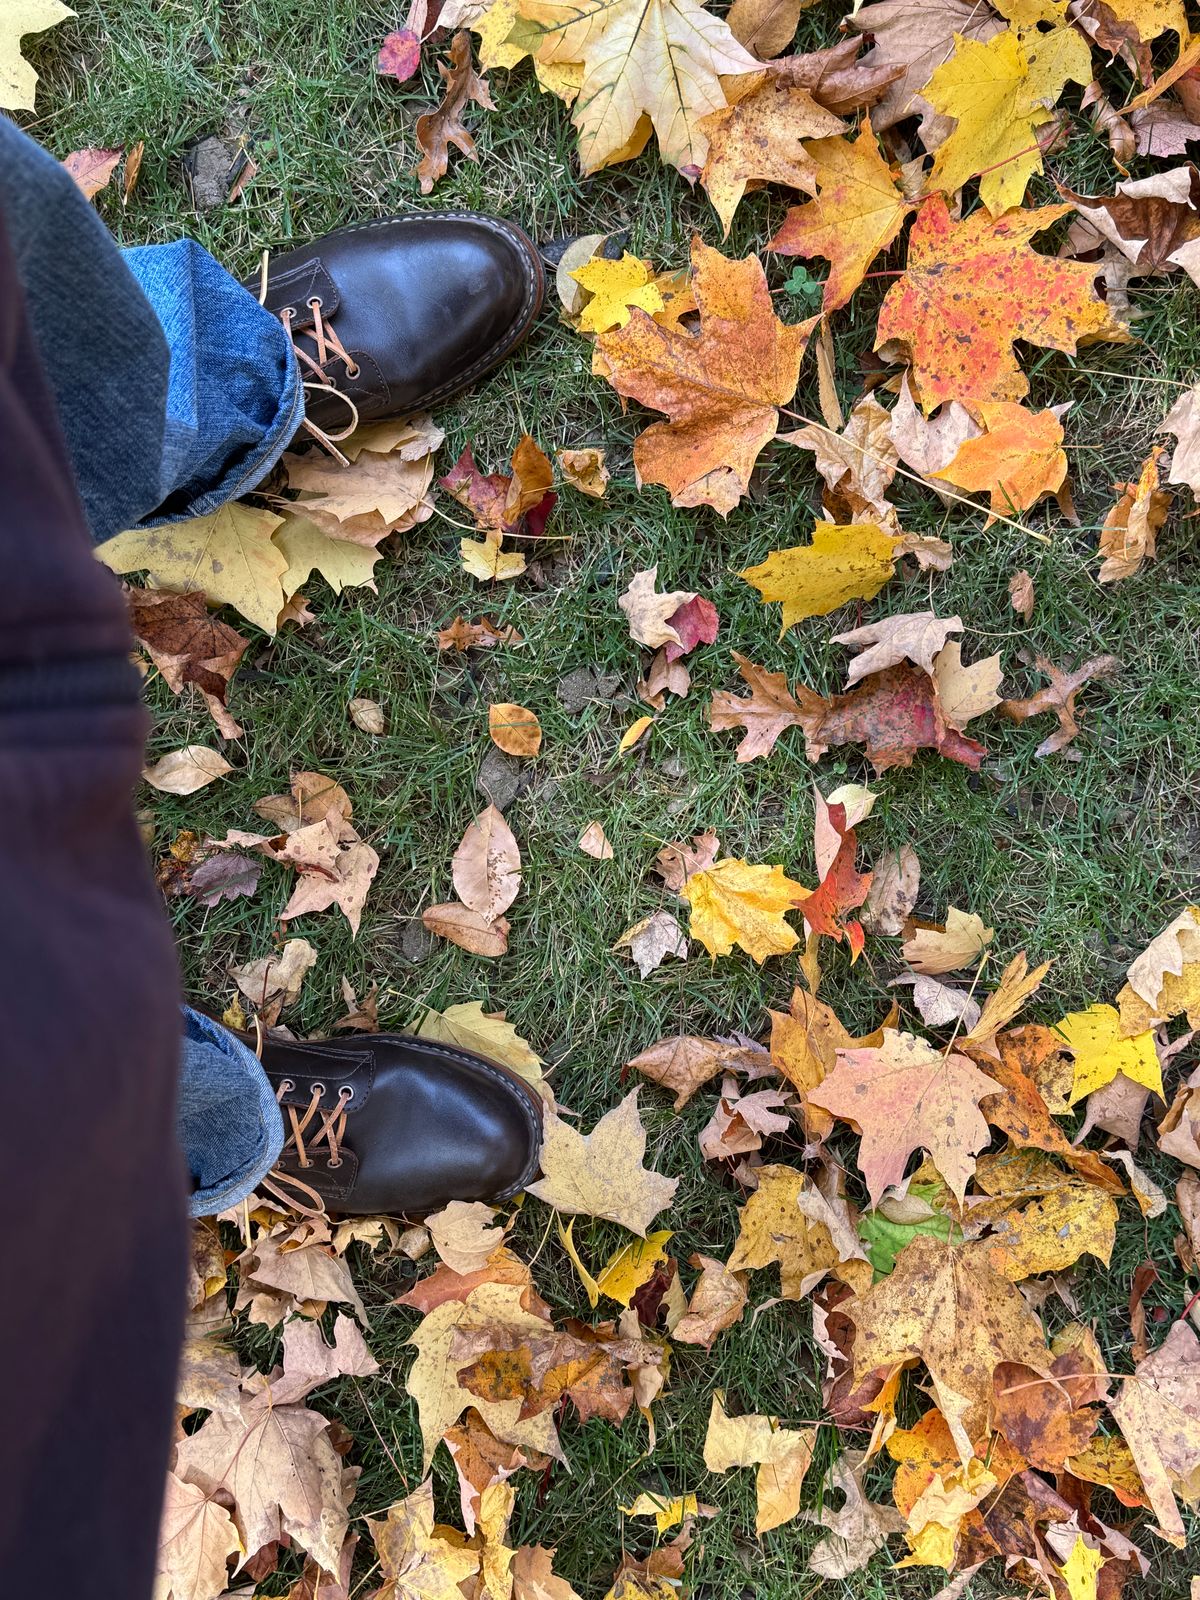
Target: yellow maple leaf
[(757, 140), (484, 559), (734, 903), (1019, 459), (655, 59), (600, 1174), (782, 1456), (341, 562), (1152, 17), (1001, 92), (18, 80), (1094, 1039), (844, 562), (634, 1264), (1081, 1569), (417, 1557), (498, 49), (616, 287), (229, 555), (668, 1511)]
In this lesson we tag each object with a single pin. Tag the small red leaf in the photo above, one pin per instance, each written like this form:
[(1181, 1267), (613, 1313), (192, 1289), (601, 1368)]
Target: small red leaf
[(399, 55)]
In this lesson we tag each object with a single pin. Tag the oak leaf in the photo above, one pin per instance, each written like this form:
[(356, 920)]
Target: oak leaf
[(1001, 92), (842, 563), (1100, 1050), (721, 386), (1059, 698), (1158, 1411), (950, 1309), (462, 635), (735, 903), (228, 555), (442, 127), (1015, 462), (782, 1456), (600, 1174), (1131, 528), (757, 140), (970, 290), (765, 713), (657, 64), (858, 211)]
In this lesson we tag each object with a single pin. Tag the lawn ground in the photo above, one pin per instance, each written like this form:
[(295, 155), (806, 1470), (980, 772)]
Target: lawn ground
[(1081, 860)]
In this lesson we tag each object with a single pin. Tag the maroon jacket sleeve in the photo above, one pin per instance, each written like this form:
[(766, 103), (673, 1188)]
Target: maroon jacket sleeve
[(91, 1180)]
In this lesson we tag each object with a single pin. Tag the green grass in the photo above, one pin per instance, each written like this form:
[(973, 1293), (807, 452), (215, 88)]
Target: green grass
[(1081, 860)]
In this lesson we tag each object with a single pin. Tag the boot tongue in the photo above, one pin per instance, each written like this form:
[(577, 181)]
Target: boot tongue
[(295, 288)]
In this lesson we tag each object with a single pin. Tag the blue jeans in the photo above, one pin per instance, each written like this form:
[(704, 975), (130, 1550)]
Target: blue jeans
[(176, 392)]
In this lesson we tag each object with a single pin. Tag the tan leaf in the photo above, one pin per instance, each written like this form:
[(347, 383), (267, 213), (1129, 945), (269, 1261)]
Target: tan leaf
[(1131, 528), (675, 863), (514, 730), (652, 940), (196, 1537), (950, 949), (464, 1236), (758, 140), (1059, 698), (309, 1362), (361, 504), (92, 169), (767, 711), (584, 470), (717, 1302), (600, 1174), (367, 716), (535, 1579), (274, 981), (346, 886), (929, 444), (858, 464), (311, 1273), (649, 611), (861, 1528), (966, 692), (1021, 594), (1158, 1411), (916, 636), (487, 866), (187, 770), (466, 928), (684, 1063), (593, 841), (895, 884)]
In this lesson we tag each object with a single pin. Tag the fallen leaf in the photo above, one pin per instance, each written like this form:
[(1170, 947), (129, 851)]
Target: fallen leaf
[(858, 464), (188, 645), (487, 865), (593, 841), (91, 169), (917, 40), (616, 288), (367, 716), (1021, 595), (757, 140), (841, 564), (947, 1307), (633, 1265), (634, 733), (399, 55), (227, 876), (774, 1226), (416, 1557), (668, 1511), (860, 1528), (858, 211), (196, 1537), (741, 1121), (514, 729), (343, 563), (768, 710), (1162, 981), (469, 1027), (274, 981), (903, 1096), (584, 470), (684, 1063), (1016, 461), (766, 27), (720, 386), (382, 492), (675, 863), (1051, 1233), (649, 65), (652, 940), (485, 560), (1000, 92), (929, 444), (895, 884), (717, 1302), (1131, 527), (970, 289), (345, 884), (467, 928), (1095, 1041), (464, 1236), (437, 130), (229, 555), (649, 611), (893, 713), (1158, 1411), (600, 1174), (18, 80), (1059, 698), (187, 770), (734, 903), (950, 949), (940, 1005), (534, 1578), (915, 636), (483, 635), (782, 1456)]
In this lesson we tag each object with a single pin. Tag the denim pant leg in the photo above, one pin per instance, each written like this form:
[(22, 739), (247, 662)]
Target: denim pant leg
[(176, 391), (229, 1122)]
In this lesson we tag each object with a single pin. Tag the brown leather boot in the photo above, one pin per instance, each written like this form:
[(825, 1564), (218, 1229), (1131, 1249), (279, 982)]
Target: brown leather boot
[(398, 314), (387, 1124)]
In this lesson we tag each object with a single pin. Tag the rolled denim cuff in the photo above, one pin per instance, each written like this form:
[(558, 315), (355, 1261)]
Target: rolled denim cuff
[(229, 1122)]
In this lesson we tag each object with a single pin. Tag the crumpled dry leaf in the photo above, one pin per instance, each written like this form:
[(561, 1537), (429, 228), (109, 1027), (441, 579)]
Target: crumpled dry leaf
[(274, 981), (740, 1122), (959, 944), (505, 502), (584, 470), (721, 387), (1131, 528), (857, 464), (437, 130), (1059, 698), (683, 1063), (916, 636), (735, 903), (188, 645), (717, 1302), (600, 1174), (652, 940), (782, 1456), (417, 1557), (187, 770), (386, 490), (927, 444), (650, 612), (676, 862), (895, 884), (860, 1528)]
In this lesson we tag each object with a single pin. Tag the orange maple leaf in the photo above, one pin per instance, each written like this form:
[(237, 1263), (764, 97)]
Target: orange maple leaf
[(721, 387), (970, 289)]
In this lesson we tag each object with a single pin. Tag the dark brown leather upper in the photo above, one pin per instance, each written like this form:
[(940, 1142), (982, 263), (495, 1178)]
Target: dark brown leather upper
[(426, 1124), (424, 304)]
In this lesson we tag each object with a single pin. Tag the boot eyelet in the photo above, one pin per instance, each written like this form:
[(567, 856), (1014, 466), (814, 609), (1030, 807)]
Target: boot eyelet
[(286, 1086), (334, 1165), (317, 1088), (353, 372), (314, 302), (346, 1092)]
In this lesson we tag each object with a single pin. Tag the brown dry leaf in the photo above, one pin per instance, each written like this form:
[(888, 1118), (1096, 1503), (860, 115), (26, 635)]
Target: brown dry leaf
[(188, 645), (380, 493), (280, 1469), (676, 862), (196, 1537), (345, 884), (958, 945), (584, 470), (858, 464), (1179, 1130), (895, 884), (1059, 698), (481, 1460), (534, 1577), (600, 1174), (717, 1302), (721, 386), (274, 981), (593, 841), (1158, 1411), (514, 729), (187, 770), (684, 1063), (1016, 986), (1164, 979), (778, 1223), (904, 1095), (1183, 420), (782, 1456), (917, 40), (464, 1236), (767, 27), (483, 635), (835, 76), (944, 1305), (418, 1559), (652, 940), (915, 636), (1131, 527), (314, 797), (437, 130), (1149, 225), (767, 711), (649, 612), (467, 928), (860, 1528), (308, 1362), (309, 1271), (741, 1121), (487, 866), (367, 716), (757, 140), (1021, 594)]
